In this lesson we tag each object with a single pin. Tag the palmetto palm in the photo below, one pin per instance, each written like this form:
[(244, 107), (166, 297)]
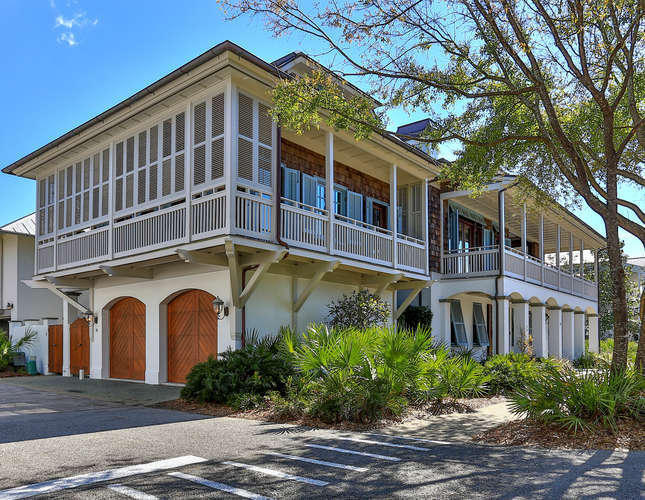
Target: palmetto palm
[(8, 348)]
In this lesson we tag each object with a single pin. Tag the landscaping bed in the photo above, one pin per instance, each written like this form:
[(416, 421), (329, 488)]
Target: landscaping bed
[(10, 372), (630, 435)]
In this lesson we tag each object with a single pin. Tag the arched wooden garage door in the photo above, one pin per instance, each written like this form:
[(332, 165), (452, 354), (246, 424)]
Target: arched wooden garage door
[(192, 332), (79, 346), (128, 339)]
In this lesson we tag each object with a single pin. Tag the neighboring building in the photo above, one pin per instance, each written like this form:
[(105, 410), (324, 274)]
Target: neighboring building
[(23, 307), (637, 265), (186, 198)]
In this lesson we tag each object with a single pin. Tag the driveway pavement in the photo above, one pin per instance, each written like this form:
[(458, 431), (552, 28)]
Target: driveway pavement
[(116, 451)]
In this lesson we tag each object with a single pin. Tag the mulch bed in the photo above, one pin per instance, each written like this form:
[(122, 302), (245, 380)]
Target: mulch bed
[(12, 373), (267, 415), (525, 432)]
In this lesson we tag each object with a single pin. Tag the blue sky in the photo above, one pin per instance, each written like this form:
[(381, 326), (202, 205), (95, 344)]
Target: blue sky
[(65, 61)]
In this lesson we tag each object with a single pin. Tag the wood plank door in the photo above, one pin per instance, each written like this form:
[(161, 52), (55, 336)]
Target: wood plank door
[(55, 361), (192, 333), (79, 346), (128, 339)]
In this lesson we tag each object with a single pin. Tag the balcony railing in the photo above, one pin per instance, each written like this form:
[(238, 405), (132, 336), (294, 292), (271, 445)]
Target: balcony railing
[(302, 226), (484, 261)]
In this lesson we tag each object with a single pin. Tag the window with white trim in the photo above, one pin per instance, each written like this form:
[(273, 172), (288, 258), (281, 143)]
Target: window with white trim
[(458, 328), (254, 141), (46, 205), (480, 332)]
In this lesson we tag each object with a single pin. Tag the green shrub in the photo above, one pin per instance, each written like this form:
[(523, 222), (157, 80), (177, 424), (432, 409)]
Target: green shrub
[(449, 376), (256, 369), (8, 348), (358, 375), (589, 360), (581, 401), (508, 372), (245, 401), (415, 316), (361, 310), (607, 349)]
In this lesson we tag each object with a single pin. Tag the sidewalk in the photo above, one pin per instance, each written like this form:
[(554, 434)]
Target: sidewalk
[(456, 426), (112, 391)]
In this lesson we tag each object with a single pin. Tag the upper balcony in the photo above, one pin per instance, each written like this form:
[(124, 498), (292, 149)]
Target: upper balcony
[(541, 246), (215, 165)]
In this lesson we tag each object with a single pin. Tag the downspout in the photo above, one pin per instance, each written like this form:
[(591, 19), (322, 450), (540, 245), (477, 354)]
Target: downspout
[(278, 229)]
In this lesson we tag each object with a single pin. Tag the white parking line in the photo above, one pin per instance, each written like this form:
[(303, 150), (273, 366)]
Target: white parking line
[(318, 462), (131, 492), (31, 490), (277, 473), (353, 452), (219, 486), (395, 436), (382, 443)]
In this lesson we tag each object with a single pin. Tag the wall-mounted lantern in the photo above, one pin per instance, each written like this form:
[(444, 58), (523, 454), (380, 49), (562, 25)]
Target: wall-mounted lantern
[(90, 318), (221, 310)]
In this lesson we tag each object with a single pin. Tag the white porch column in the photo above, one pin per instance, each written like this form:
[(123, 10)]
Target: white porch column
[(502, 231), (558, 244), (581, 269), (541, 244), (67, 320), (521, 317), (424, 223), (538, 326), (394, 220), (329, 188), (594, 341), (503, 325), (571, 255), (445, 322), (555, 331), (567, 333), (524, 237), (153, 342), (442, 229), (578, 334)]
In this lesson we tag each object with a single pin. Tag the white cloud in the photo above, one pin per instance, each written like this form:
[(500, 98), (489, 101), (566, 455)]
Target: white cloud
[(68, 38)]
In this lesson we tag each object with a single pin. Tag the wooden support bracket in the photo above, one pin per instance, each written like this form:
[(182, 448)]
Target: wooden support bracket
[(413, 294), (319, 271)]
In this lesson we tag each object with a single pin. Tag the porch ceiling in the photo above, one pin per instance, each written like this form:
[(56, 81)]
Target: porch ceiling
[(487, 205)]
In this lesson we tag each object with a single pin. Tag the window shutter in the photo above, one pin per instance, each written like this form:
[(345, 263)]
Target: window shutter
[(200, 165), (264, 166), (179, 173), (217, 159), (402, 210), (480, 324), (369, 210), (265, 125), (166, 140), (245, 116), (309, 190), (217, 115), (129, 154), (245, 159), (355, 205), (141, 186), (152, 185), (142, 146), (180, 131), (154, 144), (457, 319), (340, 198), (165, 178), (129, 191)]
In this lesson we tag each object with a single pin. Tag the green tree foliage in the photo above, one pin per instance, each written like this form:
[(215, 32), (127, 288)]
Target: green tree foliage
[(9, 347), (361, 310), (551, 91)]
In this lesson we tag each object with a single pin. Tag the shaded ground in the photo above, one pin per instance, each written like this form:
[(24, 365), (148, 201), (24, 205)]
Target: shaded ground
[(630, 435)]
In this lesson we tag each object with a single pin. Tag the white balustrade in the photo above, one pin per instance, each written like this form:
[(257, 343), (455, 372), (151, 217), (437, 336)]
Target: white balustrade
[(45, 256), (514, 262), (208, 215), (253, 215), (83, 248), (303, 225), (565, 282), (471, 262), (151, 231), (363, 241), (411, 255)]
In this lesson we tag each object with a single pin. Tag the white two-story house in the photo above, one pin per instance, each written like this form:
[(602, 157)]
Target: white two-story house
[(187, 217)]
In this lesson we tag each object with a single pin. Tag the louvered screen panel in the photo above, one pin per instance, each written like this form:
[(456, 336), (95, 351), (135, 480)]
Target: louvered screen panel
[(106, 165), (61, 184), (61, 214), (118, 194), (165, 178), (264, 166), (86, 173), (96, 170), (179, 173), (200, 165), (96, 193), (167, 138), (245, 115), (141, 187), (199, 133), (129, 190), (217, 158), (86, 206), (129, 155), (152, 186), (217, 115), (105, 200), (245, 159), (50, 219), (42, 192), (180, 131), (41, 221), (70, 180), (154, 144), (264, 125), (142, 146), (119, 160), (77, 184), (77, 209), (51, 190)]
